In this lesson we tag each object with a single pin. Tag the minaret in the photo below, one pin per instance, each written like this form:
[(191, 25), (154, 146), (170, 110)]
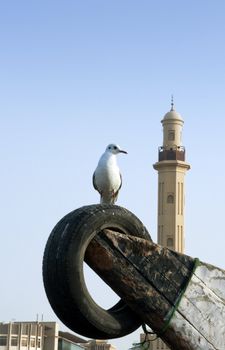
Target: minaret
[(171, 167)]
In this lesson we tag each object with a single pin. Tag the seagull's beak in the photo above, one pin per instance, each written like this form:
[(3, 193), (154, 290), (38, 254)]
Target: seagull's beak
[(121, 151)]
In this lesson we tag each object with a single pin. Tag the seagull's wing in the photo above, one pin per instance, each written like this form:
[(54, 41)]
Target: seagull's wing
[(117, 192), (94, 183), (120, 182)]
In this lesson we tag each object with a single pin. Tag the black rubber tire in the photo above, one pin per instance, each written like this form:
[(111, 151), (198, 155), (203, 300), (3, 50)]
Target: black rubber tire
[(63, 271)]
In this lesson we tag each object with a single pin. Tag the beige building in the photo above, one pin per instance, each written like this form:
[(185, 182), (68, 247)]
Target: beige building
[(44, 336), (99, 345), (171, 167)]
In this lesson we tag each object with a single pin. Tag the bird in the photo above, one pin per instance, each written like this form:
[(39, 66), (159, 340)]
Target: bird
[(107, 179)]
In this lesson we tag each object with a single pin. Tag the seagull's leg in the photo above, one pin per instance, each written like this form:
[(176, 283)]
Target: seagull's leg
[(113, 197), (101, 197)]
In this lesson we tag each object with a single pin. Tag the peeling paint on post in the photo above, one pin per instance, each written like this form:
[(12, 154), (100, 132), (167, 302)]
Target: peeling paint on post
[(157, 283), (203, 306)]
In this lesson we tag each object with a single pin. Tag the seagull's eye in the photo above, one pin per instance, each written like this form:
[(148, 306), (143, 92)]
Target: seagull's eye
[(115, 147)]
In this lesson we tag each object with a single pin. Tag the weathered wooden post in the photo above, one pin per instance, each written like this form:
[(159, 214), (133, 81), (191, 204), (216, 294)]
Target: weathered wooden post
[(180, 298)]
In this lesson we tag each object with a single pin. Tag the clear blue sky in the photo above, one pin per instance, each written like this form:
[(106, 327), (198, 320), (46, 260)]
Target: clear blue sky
[(77, 75)]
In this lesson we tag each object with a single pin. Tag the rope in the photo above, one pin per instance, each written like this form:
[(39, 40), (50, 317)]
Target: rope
[(170, 315)]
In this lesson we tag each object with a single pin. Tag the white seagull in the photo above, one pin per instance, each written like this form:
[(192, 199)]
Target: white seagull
[(107, 179)]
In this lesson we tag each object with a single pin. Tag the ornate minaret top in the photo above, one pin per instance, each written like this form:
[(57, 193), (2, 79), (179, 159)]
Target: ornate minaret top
[(172, 148)]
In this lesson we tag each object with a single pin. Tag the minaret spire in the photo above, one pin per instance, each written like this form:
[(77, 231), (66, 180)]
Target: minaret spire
[(172, 103)]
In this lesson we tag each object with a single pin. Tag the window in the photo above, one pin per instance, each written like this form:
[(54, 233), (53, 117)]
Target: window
[(33, 329), (32, 342), (3, 340), (25, 328), (14, 341), (169, 242), (4, 328), (24, 341), (171, 135), (15, 328), (39, 342), (170, 198)]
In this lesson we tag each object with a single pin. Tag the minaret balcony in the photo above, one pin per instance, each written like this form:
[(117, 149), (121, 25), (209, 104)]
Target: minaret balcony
[(171, 153)]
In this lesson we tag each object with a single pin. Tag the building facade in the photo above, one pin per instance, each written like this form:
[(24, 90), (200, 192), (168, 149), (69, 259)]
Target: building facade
[(44, 336)]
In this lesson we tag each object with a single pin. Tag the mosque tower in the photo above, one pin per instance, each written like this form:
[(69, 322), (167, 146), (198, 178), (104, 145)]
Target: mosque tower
[(171, 167)]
